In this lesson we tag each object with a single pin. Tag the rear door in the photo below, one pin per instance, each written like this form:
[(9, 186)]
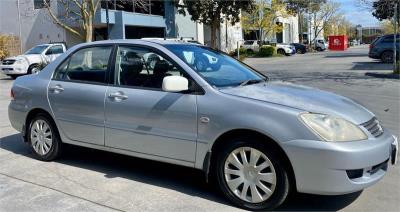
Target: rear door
[(76, 94)]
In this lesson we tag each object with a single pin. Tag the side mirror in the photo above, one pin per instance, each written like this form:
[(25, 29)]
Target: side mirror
[(175, 84)]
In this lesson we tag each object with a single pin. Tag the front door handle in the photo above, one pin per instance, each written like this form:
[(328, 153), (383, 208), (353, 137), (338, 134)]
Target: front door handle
[(56, 88), (118, 96)]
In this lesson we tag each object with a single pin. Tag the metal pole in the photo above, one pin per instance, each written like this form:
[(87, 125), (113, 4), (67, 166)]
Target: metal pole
[(108, 22), (20, 28), (396, 19), (238, 51)]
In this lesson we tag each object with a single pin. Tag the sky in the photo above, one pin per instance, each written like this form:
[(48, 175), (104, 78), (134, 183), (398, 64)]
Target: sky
[(356, 14)]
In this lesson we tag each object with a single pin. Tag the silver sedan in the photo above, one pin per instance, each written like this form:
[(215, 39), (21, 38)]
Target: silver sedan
[(193, 106)]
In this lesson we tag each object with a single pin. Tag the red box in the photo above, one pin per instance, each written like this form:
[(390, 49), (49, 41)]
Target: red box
[(338, 42)]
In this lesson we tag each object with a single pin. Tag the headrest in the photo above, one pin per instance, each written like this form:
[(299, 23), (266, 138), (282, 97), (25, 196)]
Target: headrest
[(161, 67), (132, 62)]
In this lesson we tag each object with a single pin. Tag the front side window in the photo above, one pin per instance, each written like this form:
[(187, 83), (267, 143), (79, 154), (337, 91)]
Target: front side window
[(218, 69), (142, 67), (57, 49), (85, 65)]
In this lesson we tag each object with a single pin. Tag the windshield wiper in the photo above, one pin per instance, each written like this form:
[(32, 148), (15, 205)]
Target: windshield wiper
[(252, 81)]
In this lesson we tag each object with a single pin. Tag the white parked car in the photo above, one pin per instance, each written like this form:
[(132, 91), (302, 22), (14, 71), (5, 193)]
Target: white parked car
[(321, 45), (251, 46), (30, 61), (285, 49)]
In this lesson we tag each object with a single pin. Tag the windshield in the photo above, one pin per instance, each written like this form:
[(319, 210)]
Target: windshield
[(36, 49), (218, 69)]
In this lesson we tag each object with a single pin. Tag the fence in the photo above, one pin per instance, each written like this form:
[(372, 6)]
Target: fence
[(9, 46)]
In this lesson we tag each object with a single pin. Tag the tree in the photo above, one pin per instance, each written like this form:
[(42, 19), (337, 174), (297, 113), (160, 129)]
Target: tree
[(214, 12), (321, 15), (263, 18), (300, 8), (76, 16), (383, 9)]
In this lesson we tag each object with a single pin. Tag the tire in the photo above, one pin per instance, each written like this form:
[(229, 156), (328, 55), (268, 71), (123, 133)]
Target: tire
[(33, 69), (299, 51), (281, 51), (319, 49), (387, 57), (13, 76), (280, 186), (38, 132), (249, 51)]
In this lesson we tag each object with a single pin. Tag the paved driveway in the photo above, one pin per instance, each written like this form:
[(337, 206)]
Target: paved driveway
[(89, 180)]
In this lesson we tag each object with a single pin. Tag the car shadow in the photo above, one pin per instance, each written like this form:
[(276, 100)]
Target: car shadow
[(182, 179), (341, 55), (6, 78), (373, 65)]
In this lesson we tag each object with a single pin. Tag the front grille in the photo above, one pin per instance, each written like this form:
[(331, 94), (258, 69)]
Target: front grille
[(373, 127), (8, 62)]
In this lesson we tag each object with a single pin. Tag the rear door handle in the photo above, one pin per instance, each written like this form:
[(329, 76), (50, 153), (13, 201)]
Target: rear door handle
[(118, 96), (56, 88)]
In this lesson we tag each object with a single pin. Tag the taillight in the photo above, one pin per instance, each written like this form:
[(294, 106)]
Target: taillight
[(371, 46), (12, 94)]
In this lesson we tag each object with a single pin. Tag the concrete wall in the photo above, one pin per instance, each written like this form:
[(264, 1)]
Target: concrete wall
[(33, 26)]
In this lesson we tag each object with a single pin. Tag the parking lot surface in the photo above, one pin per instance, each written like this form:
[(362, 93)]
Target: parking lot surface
[(90, 180)]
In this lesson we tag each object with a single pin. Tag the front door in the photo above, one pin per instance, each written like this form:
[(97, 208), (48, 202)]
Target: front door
[(142, 118), (76, 94)]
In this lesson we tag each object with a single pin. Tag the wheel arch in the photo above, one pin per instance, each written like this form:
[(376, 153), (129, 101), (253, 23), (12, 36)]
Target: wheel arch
[(226, 137), (31, 114)]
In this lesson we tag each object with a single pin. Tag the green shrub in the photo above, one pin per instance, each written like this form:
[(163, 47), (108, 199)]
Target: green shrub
[(242, 51), (267, 51)]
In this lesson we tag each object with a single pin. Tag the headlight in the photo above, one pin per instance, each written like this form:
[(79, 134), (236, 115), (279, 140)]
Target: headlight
[(20, 61), (331, 128)]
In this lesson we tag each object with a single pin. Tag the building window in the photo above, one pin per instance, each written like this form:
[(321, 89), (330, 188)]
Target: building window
[(153, 7), (39, 4)]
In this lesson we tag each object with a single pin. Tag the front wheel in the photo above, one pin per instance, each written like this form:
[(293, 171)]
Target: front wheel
[(252, 175), (34, 69), (281, 52)]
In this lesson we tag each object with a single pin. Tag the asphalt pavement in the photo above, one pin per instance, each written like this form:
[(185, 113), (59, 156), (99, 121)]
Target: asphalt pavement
[(91, 180)]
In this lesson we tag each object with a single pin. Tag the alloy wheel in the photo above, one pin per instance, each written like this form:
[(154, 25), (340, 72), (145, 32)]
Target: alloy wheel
[(41, 137), (250, 175)]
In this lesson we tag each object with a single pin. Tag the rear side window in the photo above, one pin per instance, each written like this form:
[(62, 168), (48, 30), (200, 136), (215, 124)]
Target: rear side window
[(85, 65), (390, 39)]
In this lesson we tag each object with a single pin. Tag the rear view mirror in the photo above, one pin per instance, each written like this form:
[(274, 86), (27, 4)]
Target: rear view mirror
[(175, 84)]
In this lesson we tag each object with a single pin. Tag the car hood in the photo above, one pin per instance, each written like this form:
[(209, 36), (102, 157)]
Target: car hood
[(304, 98), (31, 58)]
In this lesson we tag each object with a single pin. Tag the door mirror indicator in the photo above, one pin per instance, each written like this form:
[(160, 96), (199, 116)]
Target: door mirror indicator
[(175, 84)]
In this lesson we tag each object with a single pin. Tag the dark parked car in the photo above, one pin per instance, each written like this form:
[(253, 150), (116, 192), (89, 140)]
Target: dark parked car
[(382, 48), (300, 48)]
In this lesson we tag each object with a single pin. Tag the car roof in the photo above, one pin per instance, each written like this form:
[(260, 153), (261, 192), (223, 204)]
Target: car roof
[(141, 41)]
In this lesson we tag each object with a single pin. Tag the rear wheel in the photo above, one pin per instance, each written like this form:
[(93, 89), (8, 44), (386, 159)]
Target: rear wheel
[(387, 57), (281, 51), (299, 51), (43, 138), (319, 49), (252, 175)]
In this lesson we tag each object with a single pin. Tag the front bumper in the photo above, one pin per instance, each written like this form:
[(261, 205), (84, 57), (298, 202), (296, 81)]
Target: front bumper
[(328, 168), (13, 69)]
